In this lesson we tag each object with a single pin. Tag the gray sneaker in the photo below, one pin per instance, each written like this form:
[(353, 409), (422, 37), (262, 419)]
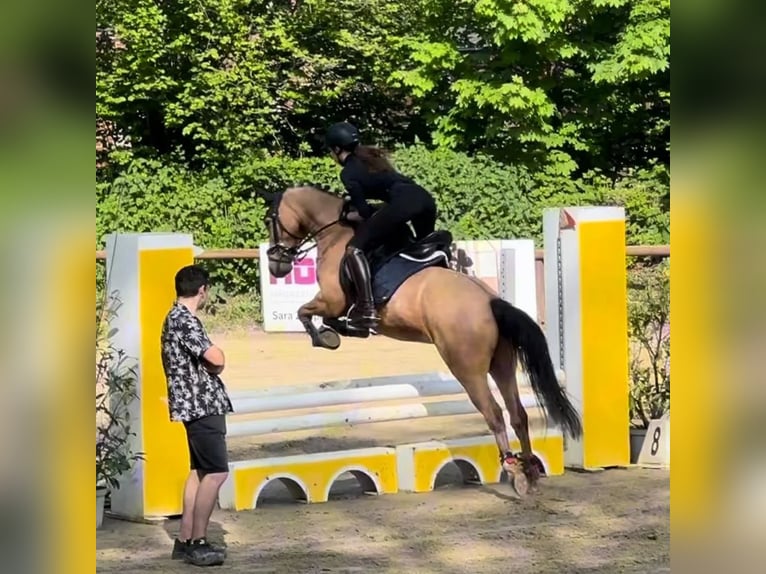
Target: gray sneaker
[(180, 547), (202, 553)]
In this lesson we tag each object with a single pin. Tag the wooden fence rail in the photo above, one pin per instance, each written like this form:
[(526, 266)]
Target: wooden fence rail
[(632, 251)]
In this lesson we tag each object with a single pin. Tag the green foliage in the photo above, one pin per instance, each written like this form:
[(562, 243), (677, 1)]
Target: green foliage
[(149, 196), (645, 195), (212, 80), (501, 108), (586, 79), (649, 329), (578, 83), (478, 198), (224, 312)]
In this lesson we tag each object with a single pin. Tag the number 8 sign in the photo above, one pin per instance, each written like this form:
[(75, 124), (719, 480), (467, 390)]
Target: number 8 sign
[(656, 448)]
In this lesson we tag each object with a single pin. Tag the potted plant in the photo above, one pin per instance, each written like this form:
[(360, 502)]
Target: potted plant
[(115, 390), (649, 328)]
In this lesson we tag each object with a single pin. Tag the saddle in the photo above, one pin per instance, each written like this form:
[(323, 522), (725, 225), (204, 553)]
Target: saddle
[(438, 242), (390, 266)]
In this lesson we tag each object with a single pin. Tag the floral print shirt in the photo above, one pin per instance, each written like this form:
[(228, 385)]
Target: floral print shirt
[(193, 392)]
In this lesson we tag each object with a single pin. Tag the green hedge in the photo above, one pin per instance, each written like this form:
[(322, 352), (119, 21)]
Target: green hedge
[(478, 198)]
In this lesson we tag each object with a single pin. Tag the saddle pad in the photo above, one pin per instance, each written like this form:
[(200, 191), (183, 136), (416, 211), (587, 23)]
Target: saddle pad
[(389, 277)]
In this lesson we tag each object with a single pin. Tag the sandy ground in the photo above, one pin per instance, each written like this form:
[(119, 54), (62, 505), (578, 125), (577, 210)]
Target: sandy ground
[(613, 521), (610, 522)]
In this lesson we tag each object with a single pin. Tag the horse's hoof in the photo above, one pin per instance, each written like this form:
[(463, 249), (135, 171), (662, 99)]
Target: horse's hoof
[(519, 483), (516, 477), (327, 339)]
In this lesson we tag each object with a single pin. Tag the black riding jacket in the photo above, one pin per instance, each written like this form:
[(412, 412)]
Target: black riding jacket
[(362, 184)]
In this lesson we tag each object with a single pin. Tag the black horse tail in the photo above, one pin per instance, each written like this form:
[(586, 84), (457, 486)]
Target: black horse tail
[(528, 339)]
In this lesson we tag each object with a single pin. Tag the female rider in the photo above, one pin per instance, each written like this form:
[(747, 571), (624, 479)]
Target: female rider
[(367, 174)]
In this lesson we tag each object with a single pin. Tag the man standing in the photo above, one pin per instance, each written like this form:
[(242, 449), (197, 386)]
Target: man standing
[(198, 399)]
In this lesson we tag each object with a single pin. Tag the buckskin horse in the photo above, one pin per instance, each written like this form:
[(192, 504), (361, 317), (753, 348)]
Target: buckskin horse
[(421, 299)]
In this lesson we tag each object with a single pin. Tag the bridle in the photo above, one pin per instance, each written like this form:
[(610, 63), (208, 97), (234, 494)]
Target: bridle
[(282, 253)]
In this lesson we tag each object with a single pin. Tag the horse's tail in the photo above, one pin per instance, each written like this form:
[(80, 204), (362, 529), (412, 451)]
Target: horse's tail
[(526, 336)]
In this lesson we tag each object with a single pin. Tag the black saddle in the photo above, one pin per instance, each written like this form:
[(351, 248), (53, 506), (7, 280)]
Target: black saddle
[(439, 240)]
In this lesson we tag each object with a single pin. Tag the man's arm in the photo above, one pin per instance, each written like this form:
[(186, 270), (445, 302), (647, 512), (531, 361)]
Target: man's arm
[(213, 360), (199, 345)]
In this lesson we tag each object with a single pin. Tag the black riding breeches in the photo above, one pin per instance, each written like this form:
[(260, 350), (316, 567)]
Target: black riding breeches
[(408, 204)]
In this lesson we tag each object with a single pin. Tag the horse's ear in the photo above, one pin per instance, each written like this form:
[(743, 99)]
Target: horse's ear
[(267, 196)]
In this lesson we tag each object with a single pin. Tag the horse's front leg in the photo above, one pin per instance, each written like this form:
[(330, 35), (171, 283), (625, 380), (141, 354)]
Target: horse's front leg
[(324, 336)]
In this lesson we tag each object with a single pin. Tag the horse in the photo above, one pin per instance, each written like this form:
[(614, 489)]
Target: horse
[(476, 332)]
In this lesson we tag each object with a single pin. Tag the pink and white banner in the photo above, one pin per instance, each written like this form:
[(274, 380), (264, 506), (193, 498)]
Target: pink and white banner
[(483, 259), (281, 298)]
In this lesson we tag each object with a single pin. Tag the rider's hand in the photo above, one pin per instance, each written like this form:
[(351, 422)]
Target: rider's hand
[(354, 216)]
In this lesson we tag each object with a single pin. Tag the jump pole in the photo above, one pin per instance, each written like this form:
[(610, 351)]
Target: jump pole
[(587, 327), (141, 268)]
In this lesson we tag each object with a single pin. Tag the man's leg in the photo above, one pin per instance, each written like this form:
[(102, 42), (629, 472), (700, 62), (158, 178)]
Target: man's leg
[(204, 503), (190, 493), (186, 533), (208, 441)]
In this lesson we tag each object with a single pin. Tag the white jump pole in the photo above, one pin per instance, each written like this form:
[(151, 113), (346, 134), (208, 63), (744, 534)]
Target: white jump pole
[(251, 404), (359, 416)]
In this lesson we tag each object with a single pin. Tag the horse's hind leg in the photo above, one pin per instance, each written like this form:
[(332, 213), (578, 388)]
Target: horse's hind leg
[(471, 369), (503, 371), (478, 391)]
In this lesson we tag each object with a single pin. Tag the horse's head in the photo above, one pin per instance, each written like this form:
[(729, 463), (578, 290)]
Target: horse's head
[(294, 219)]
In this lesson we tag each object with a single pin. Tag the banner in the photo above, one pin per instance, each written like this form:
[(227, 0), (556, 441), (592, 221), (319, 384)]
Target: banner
[(482, 259), (281, 298)]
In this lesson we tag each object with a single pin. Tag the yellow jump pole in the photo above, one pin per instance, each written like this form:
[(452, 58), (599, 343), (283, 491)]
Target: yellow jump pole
[(587, 327), (140, 271)]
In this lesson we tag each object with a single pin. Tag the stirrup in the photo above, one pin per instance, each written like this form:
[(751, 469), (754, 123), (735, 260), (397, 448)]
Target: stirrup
[(367, 319)]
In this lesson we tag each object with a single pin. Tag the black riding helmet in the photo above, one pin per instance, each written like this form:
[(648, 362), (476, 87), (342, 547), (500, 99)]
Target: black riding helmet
[(342, 135)]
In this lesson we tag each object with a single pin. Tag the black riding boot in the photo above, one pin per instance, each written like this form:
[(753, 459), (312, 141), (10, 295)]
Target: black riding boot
[(364, 313)]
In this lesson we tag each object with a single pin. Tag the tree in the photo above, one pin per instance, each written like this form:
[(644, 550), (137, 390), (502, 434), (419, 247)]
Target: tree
[(580, 83), (208, 81)]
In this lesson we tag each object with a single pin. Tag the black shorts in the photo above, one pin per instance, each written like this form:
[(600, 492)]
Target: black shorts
[(207, 444)]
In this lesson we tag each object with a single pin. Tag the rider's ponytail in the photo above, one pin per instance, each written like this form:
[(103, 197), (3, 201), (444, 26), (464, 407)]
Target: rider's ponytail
[(375, 159)]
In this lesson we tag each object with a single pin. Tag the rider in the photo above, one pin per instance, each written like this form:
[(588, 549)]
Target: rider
[(367, 174)]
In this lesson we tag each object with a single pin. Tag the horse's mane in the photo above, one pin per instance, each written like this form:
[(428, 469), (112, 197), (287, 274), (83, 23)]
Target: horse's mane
[(315, 200), (315, 189)]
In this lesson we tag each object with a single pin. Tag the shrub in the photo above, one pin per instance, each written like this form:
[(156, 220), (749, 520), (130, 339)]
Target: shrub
[(649, 328), (115, 390), (478, 198)]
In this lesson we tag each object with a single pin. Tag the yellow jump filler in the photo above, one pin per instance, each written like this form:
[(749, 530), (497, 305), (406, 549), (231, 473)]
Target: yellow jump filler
[(309, 477), (587, 327)]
